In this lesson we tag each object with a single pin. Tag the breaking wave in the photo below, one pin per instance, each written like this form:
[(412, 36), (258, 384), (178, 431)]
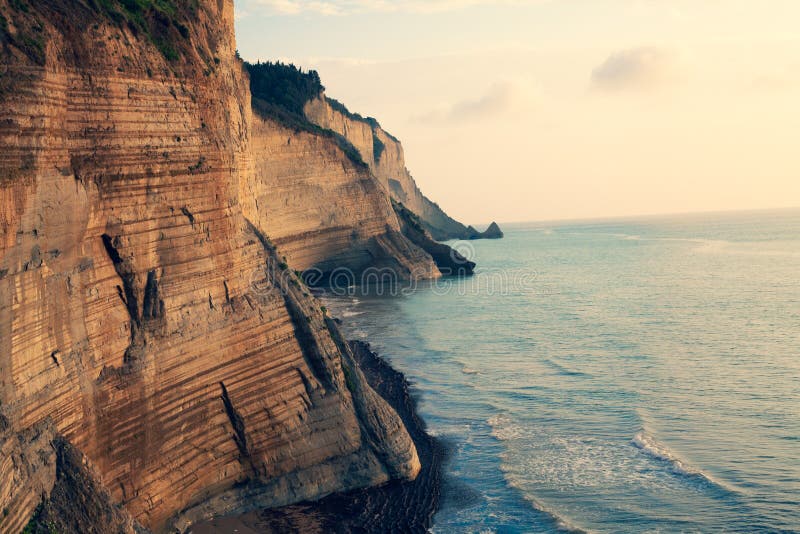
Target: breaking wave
[(648, 444)]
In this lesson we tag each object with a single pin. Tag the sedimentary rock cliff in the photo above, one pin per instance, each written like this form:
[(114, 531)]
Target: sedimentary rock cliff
[(384, 155), (325, 212), (149, 331)]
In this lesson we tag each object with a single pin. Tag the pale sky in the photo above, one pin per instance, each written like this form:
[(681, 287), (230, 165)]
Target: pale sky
[(516, 110)]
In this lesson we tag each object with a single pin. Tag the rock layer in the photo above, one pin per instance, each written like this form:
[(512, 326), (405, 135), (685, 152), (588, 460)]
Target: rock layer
[(385, 157), (142, 316), (325, 213)]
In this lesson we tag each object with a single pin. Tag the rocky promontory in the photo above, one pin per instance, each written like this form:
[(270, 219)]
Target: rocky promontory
[(162, 358), (384, 155)]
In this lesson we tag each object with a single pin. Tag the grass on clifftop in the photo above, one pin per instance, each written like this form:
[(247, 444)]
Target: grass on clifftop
[(159, 20), (165, 23)]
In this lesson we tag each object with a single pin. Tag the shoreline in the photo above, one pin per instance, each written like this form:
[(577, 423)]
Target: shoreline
[(408, 506)]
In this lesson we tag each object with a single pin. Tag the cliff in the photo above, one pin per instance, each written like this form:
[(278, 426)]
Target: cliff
[(449, 260), (383, 153), (316, 194), (155, 350), (328, 215)]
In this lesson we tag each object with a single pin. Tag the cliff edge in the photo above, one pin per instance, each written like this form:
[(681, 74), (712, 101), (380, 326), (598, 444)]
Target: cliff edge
[(150, 332), (312, 192), (384, 155)]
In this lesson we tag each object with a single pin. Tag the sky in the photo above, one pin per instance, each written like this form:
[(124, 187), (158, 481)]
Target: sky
[(518, 110)]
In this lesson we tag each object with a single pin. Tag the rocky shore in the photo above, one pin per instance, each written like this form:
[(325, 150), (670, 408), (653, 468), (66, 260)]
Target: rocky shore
[(399, 506)]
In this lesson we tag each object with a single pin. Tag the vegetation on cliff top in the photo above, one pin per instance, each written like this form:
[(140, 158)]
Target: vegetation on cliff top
[(280, 92), (285, 86), (161, 21), (165, 23)]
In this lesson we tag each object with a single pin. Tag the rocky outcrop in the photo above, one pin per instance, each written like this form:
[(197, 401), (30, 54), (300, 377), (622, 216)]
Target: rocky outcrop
[(492, 232), (328, 215), (449, 261), (384, 155), (399, 506), (143, 319), (77, 502)]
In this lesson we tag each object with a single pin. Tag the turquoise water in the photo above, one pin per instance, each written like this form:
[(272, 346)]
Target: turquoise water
[(613, 376)]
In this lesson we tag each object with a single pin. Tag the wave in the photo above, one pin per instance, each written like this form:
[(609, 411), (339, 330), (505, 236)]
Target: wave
[(504, 429), (648, 444), (563, 369), (562, 523), (469, 370), (787, 249)]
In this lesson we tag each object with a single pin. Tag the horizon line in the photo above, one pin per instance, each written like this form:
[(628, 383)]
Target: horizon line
[(600, 218)]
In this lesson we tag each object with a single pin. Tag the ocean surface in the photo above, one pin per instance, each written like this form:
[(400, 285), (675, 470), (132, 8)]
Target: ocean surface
[(632, 375)]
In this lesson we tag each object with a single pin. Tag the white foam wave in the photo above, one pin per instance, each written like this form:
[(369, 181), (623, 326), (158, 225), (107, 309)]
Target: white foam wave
[(645, 442), (561, 522), (648, 444), (503, 428), (469, 371)]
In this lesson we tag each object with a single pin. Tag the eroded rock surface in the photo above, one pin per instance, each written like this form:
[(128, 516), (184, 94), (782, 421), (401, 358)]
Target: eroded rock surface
[(384, 155), (143, 318), (323, 211)]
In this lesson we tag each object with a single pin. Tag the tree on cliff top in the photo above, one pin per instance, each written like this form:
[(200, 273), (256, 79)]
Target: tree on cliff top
[(280, 92), (285, 86)]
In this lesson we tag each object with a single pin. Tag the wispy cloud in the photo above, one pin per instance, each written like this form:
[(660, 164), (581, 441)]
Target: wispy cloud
[(343, 7), (634, 68), (499, 99)]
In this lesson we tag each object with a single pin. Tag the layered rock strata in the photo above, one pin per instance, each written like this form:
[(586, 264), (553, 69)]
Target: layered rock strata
[(329, 216), (143, 319), (385, 157)]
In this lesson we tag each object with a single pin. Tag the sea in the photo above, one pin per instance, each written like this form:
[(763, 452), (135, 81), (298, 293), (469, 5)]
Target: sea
[(626, 375)]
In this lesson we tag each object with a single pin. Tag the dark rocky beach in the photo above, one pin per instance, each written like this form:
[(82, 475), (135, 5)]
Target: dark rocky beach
[(393, 507)]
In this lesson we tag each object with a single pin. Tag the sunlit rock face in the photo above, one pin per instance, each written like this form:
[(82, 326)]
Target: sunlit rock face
[(384, 155), (145, 316), (325, 212)]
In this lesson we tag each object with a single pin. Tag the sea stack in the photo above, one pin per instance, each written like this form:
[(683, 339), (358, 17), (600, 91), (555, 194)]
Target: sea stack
[(493, 232)]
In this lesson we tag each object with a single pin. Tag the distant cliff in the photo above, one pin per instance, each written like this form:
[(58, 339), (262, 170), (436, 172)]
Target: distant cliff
[(383, 153), (312, 192), (160, 363)]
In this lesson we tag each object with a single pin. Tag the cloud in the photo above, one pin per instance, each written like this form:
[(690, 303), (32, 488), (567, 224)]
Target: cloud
[(499, 99), (635, 68), (344, 7)]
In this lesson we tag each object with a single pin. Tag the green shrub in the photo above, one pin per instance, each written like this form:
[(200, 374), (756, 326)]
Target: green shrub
[(282, 85), (159, 20)]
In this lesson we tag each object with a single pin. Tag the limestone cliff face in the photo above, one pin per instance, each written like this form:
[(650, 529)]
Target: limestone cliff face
[(142, 316), (324, 212), (384, 155)]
